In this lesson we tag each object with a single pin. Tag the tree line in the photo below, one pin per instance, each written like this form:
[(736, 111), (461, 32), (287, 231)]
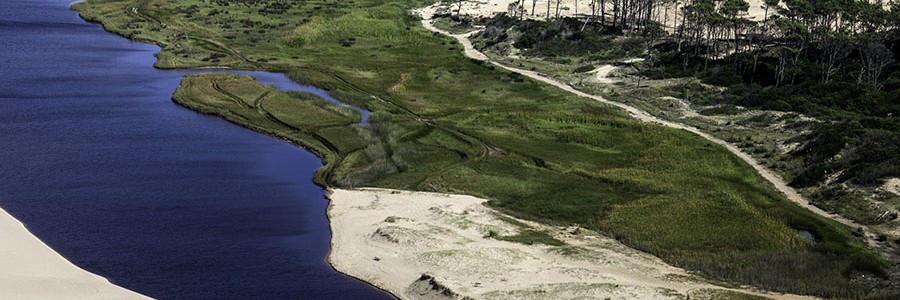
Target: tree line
[(826, 31)]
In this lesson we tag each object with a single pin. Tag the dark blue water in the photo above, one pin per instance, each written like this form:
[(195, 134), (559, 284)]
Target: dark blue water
[(99, 163)]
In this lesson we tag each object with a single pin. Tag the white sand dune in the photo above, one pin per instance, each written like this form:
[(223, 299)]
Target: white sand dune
[(29, 269), (392, 238)]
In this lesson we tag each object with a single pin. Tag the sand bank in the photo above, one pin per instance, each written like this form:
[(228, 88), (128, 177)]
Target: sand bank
[(437, 246), (29, 269)]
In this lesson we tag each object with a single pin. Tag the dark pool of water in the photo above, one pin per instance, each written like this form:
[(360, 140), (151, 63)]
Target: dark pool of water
[(99, 163)]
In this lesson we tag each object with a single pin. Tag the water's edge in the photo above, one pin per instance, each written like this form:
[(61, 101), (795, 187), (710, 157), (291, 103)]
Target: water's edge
[(251, 72)]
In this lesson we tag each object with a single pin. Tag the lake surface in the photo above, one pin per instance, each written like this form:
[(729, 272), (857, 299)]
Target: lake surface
[(100, 164)]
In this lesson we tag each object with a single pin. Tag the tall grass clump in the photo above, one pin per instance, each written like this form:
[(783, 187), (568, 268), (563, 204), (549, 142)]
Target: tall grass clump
[(535, 151), (380, 23)]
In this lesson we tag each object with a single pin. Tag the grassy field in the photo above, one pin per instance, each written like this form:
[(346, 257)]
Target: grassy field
[(802, 131), (328, 130), (444, 123)]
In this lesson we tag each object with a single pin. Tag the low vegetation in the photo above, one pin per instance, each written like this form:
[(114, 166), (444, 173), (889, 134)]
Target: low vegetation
[(326, 129), (442, 122), (830, 64), (528, 237)]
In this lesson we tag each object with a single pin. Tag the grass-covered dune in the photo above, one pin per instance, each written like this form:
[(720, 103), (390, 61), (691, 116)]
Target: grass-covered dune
[(444, 123)]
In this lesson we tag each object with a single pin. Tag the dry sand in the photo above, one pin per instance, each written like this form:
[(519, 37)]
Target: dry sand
[(892, 185), (604, 73), (29, 269), (392, 238)]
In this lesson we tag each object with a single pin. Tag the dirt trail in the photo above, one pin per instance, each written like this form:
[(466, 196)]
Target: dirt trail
[(470, 51)]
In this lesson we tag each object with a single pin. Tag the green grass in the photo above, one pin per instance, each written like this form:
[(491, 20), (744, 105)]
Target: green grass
[(324, 128), (528, 237), (445, 123), (723, 295), (448, 24)]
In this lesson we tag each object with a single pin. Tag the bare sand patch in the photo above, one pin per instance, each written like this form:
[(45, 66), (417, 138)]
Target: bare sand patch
[(892, 186), (602, 74), (29, 269), (437, 246)]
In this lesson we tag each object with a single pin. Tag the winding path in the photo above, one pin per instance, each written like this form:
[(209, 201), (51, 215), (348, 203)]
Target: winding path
[(779, 183)]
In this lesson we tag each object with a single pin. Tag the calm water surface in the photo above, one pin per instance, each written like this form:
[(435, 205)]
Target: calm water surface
[(99, 163)]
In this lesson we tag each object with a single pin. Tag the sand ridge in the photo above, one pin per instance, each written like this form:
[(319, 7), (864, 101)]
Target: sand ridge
[(29, 269)]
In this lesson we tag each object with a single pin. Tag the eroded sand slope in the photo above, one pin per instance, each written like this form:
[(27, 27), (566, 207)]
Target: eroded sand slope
[(29, 269), (436, 246)]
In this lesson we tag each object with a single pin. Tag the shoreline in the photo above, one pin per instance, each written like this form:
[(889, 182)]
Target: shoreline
[(269, 133), (33, 270), (334, 259), (328, 193), (419, 245)]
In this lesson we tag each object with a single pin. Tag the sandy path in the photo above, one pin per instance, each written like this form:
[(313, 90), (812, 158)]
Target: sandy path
[(391, 238), (29, 269), (602, 73), (470, 51)]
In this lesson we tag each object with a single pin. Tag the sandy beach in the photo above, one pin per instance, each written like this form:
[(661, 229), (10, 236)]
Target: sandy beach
[(437, 246), (29, 269)]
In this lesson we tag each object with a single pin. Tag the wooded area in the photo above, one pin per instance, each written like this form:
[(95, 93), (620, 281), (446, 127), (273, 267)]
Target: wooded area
[(829, 31), (831, 60)]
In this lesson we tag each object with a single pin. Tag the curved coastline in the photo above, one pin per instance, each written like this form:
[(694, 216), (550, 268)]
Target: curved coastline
[(270, 133), (330, 258), (33, 270)]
